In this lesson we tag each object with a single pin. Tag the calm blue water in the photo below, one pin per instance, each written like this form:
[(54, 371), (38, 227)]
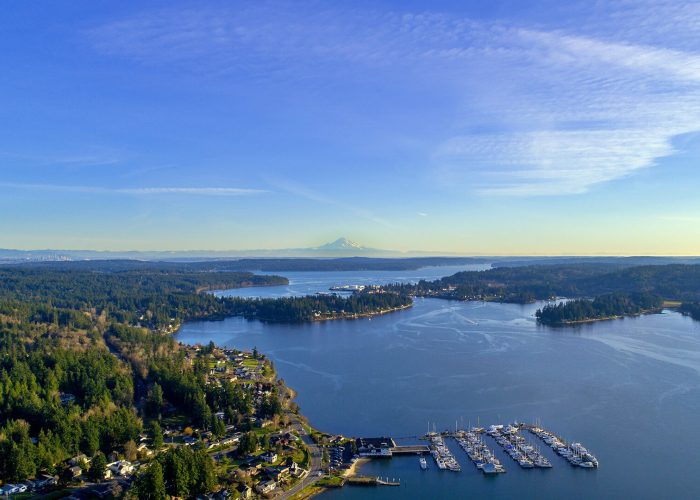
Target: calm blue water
[(629, 390)]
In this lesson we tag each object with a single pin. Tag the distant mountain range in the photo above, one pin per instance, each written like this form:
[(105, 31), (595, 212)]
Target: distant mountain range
[(340, 248)]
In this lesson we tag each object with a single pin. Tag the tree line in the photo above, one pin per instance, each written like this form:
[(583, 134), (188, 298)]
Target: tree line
[(602, 307), (542, 282)]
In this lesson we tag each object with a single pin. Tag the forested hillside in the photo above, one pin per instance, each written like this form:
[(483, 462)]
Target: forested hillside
[(87, 359), (529, 283)]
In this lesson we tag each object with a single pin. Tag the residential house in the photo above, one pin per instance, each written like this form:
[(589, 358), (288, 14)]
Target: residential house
[(79, 460), (121, 468), (244, 491), (265, 487), (144, 450), (75, 472)]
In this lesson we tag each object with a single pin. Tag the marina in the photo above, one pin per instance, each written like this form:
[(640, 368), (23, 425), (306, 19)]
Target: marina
[(509, 437), (575, 453)]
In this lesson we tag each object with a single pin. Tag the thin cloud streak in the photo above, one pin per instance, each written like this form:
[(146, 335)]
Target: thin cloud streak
[(309, 194), (203, 191)]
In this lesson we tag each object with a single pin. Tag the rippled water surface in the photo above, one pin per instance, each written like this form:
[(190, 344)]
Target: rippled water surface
[(629, 390)]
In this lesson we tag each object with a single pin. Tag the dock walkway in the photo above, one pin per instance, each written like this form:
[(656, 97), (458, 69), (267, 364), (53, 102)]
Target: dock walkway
[(417, 449)]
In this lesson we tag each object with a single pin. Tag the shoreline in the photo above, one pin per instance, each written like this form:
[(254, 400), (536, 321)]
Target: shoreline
[(606, 318), (245, 284), (352, 471), (359, 315)]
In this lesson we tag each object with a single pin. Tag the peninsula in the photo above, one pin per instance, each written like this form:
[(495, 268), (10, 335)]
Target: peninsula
[(617, 290)]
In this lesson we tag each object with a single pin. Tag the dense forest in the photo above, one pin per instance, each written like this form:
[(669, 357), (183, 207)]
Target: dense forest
[(75, 347), (606, 306), (529, 283), (264, 264), (147, 297), (315, 307), (159, 299)]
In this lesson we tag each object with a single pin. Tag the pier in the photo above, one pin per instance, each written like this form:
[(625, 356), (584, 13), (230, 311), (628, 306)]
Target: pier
[(418, 449), (373, 481)]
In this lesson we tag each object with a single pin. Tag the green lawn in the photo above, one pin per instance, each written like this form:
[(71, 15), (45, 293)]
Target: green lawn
[(331, 482)]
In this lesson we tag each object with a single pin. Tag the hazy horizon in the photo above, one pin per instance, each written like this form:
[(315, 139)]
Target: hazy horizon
[(469, 128), (312, 251)]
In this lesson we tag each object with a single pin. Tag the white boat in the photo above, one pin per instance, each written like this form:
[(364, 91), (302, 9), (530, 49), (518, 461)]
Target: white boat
[(423, 463)]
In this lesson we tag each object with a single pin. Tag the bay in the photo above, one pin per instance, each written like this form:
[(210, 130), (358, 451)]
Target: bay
[(629, 390)]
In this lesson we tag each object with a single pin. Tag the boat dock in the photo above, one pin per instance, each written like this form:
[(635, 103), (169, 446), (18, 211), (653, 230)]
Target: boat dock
[(442, 454), (574, 453), (481, 455), (474, 443), (527, 456), (373, 481)]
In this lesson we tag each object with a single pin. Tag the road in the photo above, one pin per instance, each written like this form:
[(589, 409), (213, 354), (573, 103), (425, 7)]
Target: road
[(314, 458)]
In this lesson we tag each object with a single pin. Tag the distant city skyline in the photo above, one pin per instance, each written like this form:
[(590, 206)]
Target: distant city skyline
[(472, 128)]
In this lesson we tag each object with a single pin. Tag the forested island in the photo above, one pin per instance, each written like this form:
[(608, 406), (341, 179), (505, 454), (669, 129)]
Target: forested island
[(608, 306)]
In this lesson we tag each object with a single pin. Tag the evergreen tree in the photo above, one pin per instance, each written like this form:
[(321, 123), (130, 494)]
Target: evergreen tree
[(98, 466), (91, 438), (154, 400), (150, 483), (156, 435), (248, 444), (218, 427)]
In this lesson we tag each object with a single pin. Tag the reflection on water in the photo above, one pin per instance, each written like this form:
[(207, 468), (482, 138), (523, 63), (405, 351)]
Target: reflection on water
[(628, 389)]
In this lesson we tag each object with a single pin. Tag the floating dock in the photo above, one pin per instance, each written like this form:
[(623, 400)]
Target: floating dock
[(373, 481), (481, 455), (442, 454), (574, 453)]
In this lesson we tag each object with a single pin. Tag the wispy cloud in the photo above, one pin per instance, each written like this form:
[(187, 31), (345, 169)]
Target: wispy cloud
[(144, 191), (567, 107), (88, 159), (202, 191), (310, 194)]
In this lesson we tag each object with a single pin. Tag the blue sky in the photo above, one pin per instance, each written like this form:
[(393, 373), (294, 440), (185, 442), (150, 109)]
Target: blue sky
[(470, 127)]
